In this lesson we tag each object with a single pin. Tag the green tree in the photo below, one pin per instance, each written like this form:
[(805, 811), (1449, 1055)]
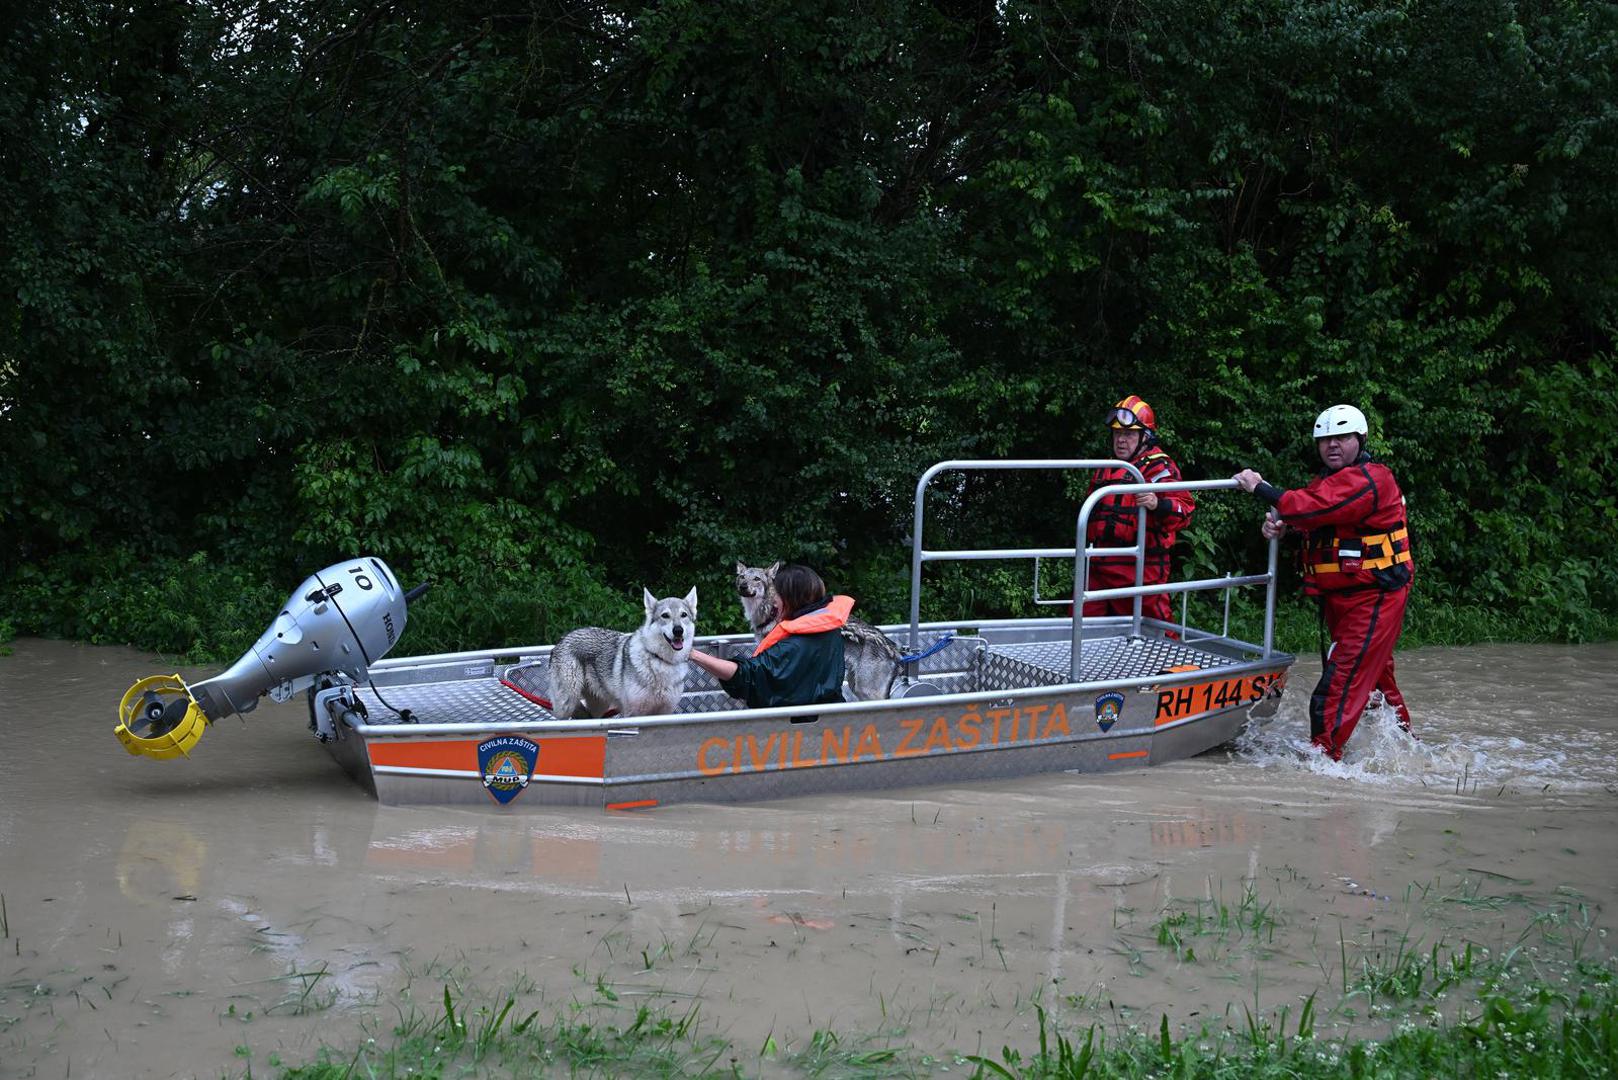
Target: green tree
[(551, 302)]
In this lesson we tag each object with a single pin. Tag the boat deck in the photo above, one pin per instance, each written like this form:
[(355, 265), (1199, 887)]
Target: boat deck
[(499, 690)]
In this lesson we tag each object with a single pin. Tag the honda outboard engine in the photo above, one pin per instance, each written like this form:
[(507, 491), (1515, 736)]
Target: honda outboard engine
[(331, 630)]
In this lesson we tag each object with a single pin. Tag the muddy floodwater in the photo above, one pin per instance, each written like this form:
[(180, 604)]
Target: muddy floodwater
[(249, 905)]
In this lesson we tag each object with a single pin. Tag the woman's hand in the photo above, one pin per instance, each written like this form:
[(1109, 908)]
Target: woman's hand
[(1273, 528), (1247, 480), (719, 668)]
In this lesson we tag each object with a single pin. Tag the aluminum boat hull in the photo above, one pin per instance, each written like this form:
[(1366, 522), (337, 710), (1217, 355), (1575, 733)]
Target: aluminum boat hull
[(999, 700)]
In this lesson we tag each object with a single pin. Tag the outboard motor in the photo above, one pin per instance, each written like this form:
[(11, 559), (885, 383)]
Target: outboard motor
[(332, 628)]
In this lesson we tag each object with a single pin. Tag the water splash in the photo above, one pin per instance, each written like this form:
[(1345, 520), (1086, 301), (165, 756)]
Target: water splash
[(1440, 756), (1380, 752)]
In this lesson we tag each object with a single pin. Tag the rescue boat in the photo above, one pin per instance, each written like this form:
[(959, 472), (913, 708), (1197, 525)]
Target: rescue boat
[(973, 700)]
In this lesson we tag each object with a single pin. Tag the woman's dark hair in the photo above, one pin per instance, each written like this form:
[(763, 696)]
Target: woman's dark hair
[(798, 587)]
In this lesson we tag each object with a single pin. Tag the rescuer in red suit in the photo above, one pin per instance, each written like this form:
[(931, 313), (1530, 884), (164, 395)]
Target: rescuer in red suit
[(1115, 520), (1356, 559)]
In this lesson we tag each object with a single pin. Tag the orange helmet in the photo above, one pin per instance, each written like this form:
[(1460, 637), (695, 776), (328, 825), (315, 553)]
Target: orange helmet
[(1132, 414)]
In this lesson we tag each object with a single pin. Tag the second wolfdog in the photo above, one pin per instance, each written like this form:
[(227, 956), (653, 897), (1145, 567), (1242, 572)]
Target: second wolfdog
[(870, 657)]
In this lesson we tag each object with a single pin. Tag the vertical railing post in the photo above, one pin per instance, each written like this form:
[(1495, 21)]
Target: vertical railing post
[(1081, 578), (915, 562), (1140, 566), (1224, 631), (1081, 572), (1269, 598)]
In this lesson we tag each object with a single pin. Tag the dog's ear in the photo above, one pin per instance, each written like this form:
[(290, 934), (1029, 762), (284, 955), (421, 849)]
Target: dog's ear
[(741, 567), (649, 600), (776, 565), (691, 601)]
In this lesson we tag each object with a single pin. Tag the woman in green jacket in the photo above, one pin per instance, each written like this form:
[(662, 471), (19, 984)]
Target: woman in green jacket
[(800, 661)]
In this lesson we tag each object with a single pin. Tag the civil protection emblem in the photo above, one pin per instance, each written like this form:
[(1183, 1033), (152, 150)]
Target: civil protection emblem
[(1108, 708), (507, 764)]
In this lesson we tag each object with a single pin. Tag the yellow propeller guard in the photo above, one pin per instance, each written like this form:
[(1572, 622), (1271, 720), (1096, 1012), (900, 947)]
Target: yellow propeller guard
[(144, 707)]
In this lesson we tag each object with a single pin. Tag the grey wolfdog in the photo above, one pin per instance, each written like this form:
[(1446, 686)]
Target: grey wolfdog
[(870, 658), (638, 674)]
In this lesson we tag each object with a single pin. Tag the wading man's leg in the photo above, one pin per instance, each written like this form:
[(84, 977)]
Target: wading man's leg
[(1364, 627), (1391, 695)]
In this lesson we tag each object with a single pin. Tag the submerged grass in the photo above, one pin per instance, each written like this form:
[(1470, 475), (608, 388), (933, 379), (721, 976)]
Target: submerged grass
[(1210, 916), (1536, 995), (1540, 1033), (1541, 1001), (464, 1038), (1533, 1030)]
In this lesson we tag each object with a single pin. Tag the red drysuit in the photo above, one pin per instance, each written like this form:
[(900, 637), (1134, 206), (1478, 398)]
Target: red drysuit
[(1114, 522), (1356, 559)]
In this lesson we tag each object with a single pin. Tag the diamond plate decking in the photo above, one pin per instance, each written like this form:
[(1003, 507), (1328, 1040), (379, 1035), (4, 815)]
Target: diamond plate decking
[(463, 701), (487, 700), (1046, 663)]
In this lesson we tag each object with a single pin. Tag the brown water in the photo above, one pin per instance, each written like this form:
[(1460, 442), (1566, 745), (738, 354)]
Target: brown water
[(160, 915)]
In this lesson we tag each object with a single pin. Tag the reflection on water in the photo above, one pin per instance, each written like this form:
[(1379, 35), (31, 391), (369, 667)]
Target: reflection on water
[(1207, 829), (159, 914), (158, 861)]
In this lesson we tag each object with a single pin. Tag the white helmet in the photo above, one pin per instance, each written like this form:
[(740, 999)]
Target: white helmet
[(1341, 420)]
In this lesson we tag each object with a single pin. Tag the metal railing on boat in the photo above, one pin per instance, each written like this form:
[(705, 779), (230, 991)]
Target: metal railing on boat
[(1081, 553)]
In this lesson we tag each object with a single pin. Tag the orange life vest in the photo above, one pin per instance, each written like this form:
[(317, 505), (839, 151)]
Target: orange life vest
[(1355, 556), (1356, 535), (831, 617), (1116, 518)]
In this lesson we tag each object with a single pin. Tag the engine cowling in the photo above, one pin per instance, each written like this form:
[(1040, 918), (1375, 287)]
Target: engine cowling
[(340, 620)]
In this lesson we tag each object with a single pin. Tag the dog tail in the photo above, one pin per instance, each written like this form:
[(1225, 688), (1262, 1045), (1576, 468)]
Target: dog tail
[(860, 632), (567, 682)]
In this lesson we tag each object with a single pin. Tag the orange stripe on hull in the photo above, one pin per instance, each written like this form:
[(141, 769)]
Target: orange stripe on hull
[(1129, 754), (641, 805), (559, 755)]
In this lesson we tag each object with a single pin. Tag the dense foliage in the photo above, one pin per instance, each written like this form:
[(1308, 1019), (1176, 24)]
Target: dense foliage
[(548, 300)]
